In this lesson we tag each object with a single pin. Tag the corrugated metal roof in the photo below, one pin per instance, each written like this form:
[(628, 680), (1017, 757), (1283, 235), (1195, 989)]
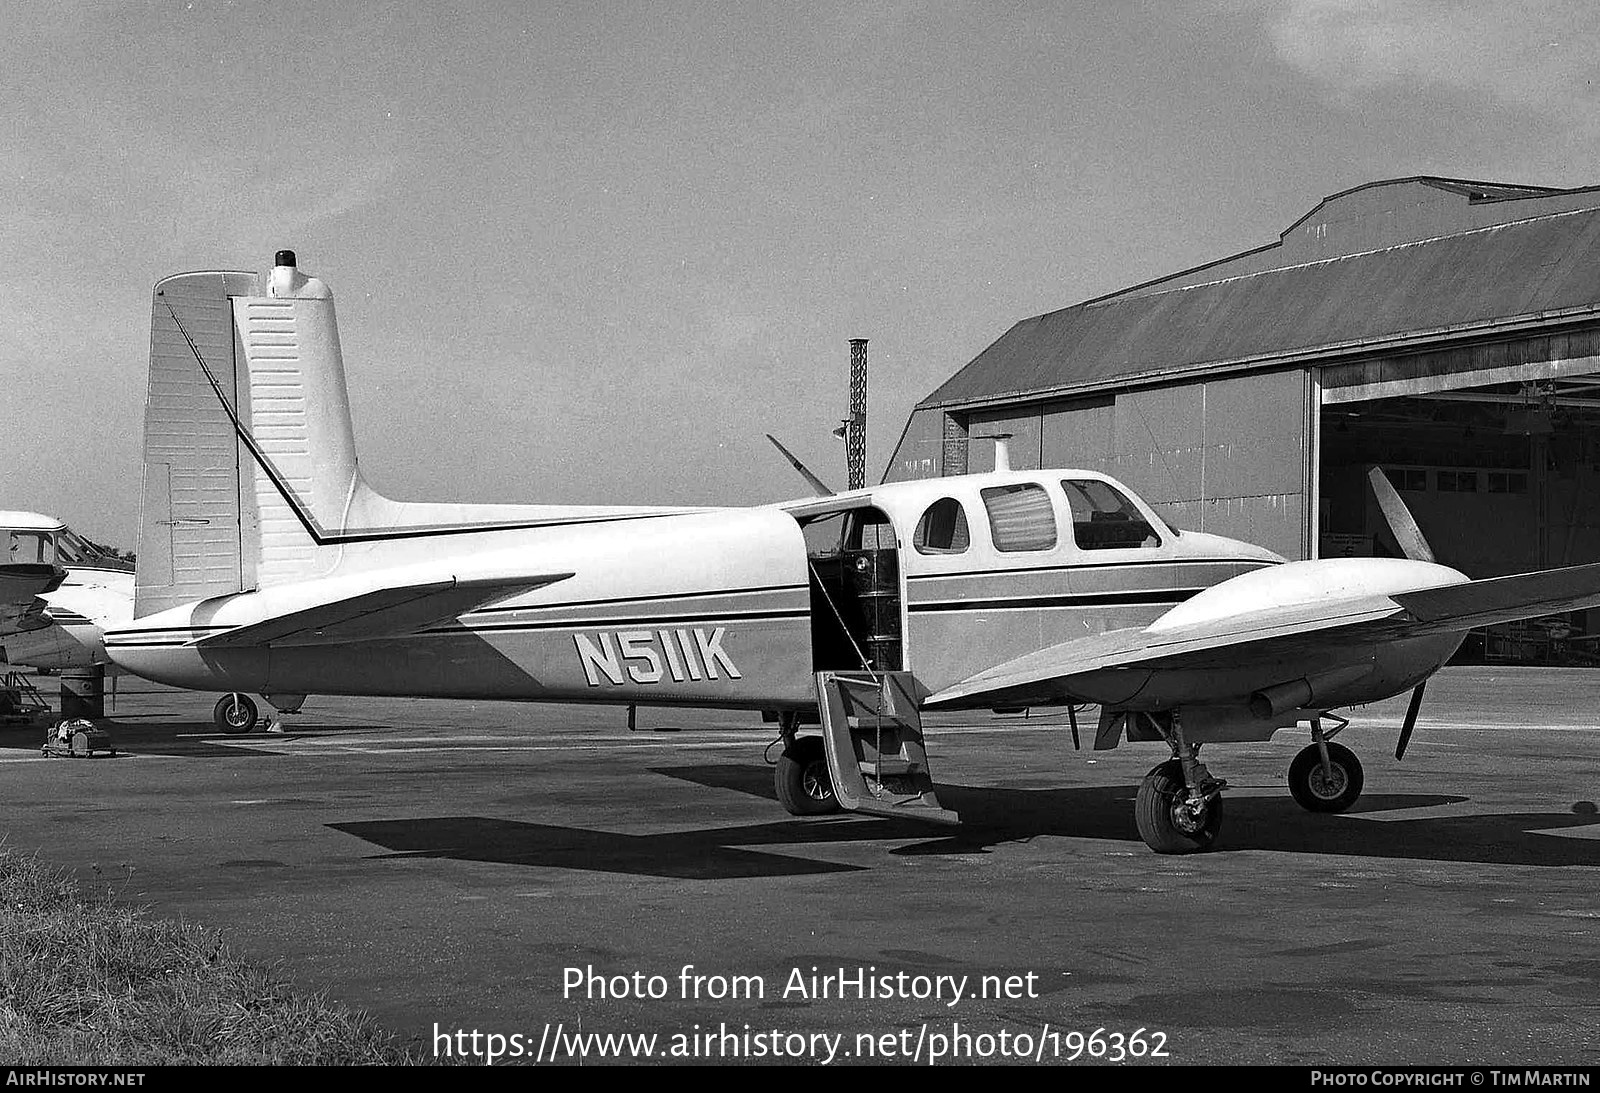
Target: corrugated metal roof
[(1519, 271)]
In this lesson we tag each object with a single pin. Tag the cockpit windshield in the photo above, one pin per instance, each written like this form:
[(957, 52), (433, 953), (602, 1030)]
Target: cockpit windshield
[(1104, 519), (74, 549), (62, 546)]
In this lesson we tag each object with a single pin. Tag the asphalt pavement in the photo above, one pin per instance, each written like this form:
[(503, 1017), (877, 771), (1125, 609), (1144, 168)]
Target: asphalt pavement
[(540, 871)]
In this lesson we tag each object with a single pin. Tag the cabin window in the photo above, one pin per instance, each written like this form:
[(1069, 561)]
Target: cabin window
[(1020, 517), (1104, 519), (28, 546), (942, 529)]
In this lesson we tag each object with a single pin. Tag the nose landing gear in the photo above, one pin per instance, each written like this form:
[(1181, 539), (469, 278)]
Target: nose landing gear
[(1171, 819), (1179, 806)]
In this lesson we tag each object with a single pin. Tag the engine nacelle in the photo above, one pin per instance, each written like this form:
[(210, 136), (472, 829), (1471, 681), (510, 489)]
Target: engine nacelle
[(1296, 583)]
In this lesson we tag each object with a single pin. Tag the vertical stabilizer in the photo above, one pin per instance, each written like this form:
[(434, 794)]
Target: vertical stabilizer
[(300, 421), (191, 534), (249, 455), (250, 473)]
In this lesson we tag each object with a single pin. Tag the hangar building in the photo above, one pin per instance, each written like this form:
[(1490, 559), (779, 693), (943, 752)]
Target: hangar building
[(1445, 329)]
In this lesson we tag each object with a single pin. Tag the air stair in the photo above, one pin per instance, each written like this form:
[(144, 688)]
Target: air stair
[(872, 733)]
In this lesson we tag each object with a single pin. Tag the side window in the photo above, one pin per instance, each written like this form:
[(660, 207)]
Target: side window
[(942, 529), (28, 546), (1020, 517), (1103, 519)]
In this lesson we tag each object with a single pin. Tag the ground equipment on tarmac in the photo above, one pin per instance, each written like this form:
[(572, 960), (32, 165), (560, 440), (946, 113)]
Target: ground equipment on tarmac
[(20, 700), (77, 738)]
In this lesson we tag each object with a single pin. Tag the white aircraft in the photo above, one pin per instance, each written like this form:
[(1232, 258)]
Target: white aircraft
[(58, 623), (267, 564)]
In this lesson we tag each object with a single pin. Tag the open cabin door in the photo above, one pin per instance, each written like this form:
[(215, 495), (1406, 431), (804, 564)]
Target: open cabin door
[(871, 723), (856, 602)]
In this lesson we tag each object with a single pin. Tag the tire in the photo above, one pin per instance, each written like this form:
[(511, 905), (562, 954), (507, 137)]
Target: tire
[(235, 714), (804, 785), (1314, 791), (1156, 812)]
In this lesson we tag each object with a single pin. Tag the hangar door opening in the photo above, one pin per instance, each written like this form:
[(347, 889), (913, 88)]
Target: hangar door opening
[(1502, 477)]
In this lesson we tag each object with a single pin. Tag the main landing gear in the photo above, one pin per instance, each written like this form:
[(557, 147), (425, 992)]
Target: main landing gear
[(1325, 777), (235, 713), (1179, 807), (805, 788)]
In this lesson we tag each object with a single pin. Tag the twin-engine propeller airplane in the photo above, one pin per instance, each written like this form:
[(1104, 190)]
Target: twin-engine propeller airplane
[(267, 564)]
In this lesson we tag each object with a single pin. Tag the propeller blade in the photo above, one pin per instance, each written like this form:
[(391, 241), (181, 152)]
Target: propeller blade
[(817, 485), (1401, 522), (1411, 721)]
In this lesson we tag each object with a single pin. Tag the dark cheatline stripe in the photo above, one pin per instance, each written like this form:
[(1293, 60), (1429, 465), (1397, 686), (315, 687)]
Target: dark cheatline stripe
[(644, 622), (147, 645), (1091, 599), (638, 599), (132, 630), (1184, 562), (129, 631), (637, 623)]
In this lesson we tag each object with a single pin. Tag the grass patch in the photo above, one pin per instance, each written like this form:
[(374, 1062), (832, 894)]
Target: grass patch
[(87, 981)]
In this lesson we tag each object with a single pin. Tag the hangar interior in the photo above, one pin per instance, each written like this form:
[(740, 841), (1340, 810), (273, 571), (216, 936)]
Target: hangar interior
[(1503, 478), (1444, 329)]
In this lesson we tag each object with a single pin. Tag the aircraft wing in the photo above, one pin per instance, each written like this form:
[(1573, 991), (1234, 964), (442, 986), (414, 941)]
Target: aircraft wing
[(379, 613), (1502, 599), (1046, 676)]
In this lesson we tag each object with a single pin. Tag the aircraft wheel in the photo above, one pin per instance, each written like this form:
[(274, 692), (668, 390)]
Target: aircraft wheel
[(804, 785), (1318, 791), (1166, 822), (235, 713)]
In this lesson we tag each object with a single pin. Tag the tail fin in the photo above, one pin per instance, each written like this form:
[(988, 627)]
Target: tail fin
[(249, 455), (250, 475)]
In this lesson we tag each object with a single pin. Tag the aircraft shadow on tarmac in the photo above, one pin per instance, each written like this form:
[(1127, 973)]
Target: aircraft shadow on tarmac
[(990, 817), (188, 740)]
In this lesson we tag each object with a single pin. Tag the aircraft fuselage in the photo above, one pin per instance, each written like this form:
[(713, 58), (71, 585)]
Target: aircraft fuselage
[(735, 608)]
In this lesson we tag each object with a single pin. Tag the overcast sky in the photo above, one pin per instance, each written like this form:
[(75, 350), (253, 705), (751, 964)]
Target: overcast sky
[(593, 251)]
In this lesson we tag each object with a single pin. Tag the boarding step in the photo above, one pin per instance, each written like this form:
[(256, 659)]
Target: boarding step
[(872, 733), (20, 700)]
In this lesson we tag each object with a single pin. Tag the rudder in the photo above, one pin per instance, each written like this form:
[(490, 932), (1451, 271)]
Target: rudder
[(191, 533), (249, 455)]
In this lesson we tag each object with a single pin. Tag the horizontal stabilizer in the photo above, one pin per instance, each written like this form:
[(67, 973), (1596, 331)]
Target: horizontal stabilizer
[(380, 613)]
